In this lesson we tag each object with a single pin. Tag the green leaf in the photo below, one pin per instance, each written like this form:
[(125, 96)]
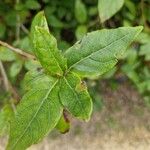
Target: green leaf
[(131, 73), (131, 56), (32, 65), (36, 115), (32, 4), (6, 54), (39, 20), (98, 51), (81, 31), (5, 116), (74, 96), (54, 22), (45, 49), (15, 68), (80, 11), (145, 50), (35, 78), (107, 8), (63, 125), (25, 44), (143, 38), (2, 30)]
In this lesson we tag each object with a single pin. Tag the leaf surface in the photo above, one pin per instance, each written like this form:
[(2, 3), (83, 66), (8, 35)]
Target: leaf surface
[(98, 51), (107, 8), (40, 21), (75, 97), (63, 125), (45, 49), (36, 115), (36, 79)]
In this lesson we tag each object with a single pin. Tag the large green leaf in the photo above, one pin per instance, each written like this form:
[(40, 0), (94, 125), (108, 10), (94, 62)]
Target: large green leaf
[(37, 114), (74, 96), (45, 49), (107, 8), (35, 78), (45, 46), (98, 51)]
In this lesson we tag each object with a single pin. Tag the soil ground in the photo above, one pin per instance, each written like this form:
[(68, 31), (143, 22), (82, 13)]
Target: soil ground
[(122, 124)]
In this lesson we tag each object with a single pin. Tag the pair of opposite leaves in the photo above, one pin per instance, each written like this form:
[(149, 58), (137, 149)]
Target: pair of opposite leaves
[(59, 86)]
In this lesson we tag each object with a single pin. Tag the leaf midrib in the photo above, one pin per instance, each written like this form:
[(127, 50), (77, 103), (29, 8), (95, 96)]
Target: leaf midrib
[(53, 54), (75, 95), (98, 51), (42, 102)]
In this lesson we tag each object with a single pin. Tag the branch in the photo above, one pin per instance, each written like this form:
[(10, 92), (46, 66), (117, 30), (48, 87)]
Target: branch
[(17, 50), (7, 85), (5, 80), (24, 29), (17, 24)]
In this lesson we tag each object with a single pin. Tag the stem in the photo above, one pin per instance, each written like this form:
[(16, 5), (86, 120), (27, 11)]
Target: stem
[(24, 29), (8, 86), (17, 50), (5, 79), (17, 24)]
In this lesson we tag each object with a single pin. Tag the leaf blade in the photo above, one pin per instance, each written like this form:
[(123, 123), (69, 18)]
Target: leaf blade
[(108, 8), (40, 21), (39, 111), (98, 51), (74, 97), (45, 49)]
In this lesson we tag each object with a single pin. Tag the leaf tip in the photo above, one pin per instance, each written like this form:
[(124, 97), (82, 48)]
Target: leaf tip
[(139, 28)]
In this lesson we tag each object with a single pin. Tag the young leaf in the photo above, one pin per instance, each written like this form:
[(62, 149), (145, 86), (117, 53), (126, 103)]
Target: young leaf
[(45, 49), (63, 125), (74, 96), (98, 51), (37, 114), (107, 8), (39, 20)]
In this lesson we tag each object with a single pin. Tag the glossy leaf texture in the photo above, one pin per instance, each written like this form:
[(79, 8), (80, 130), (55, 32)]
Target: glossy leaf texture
[(74, 96), (36, 115), (45, 49), (98, 51), (107, 8)]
